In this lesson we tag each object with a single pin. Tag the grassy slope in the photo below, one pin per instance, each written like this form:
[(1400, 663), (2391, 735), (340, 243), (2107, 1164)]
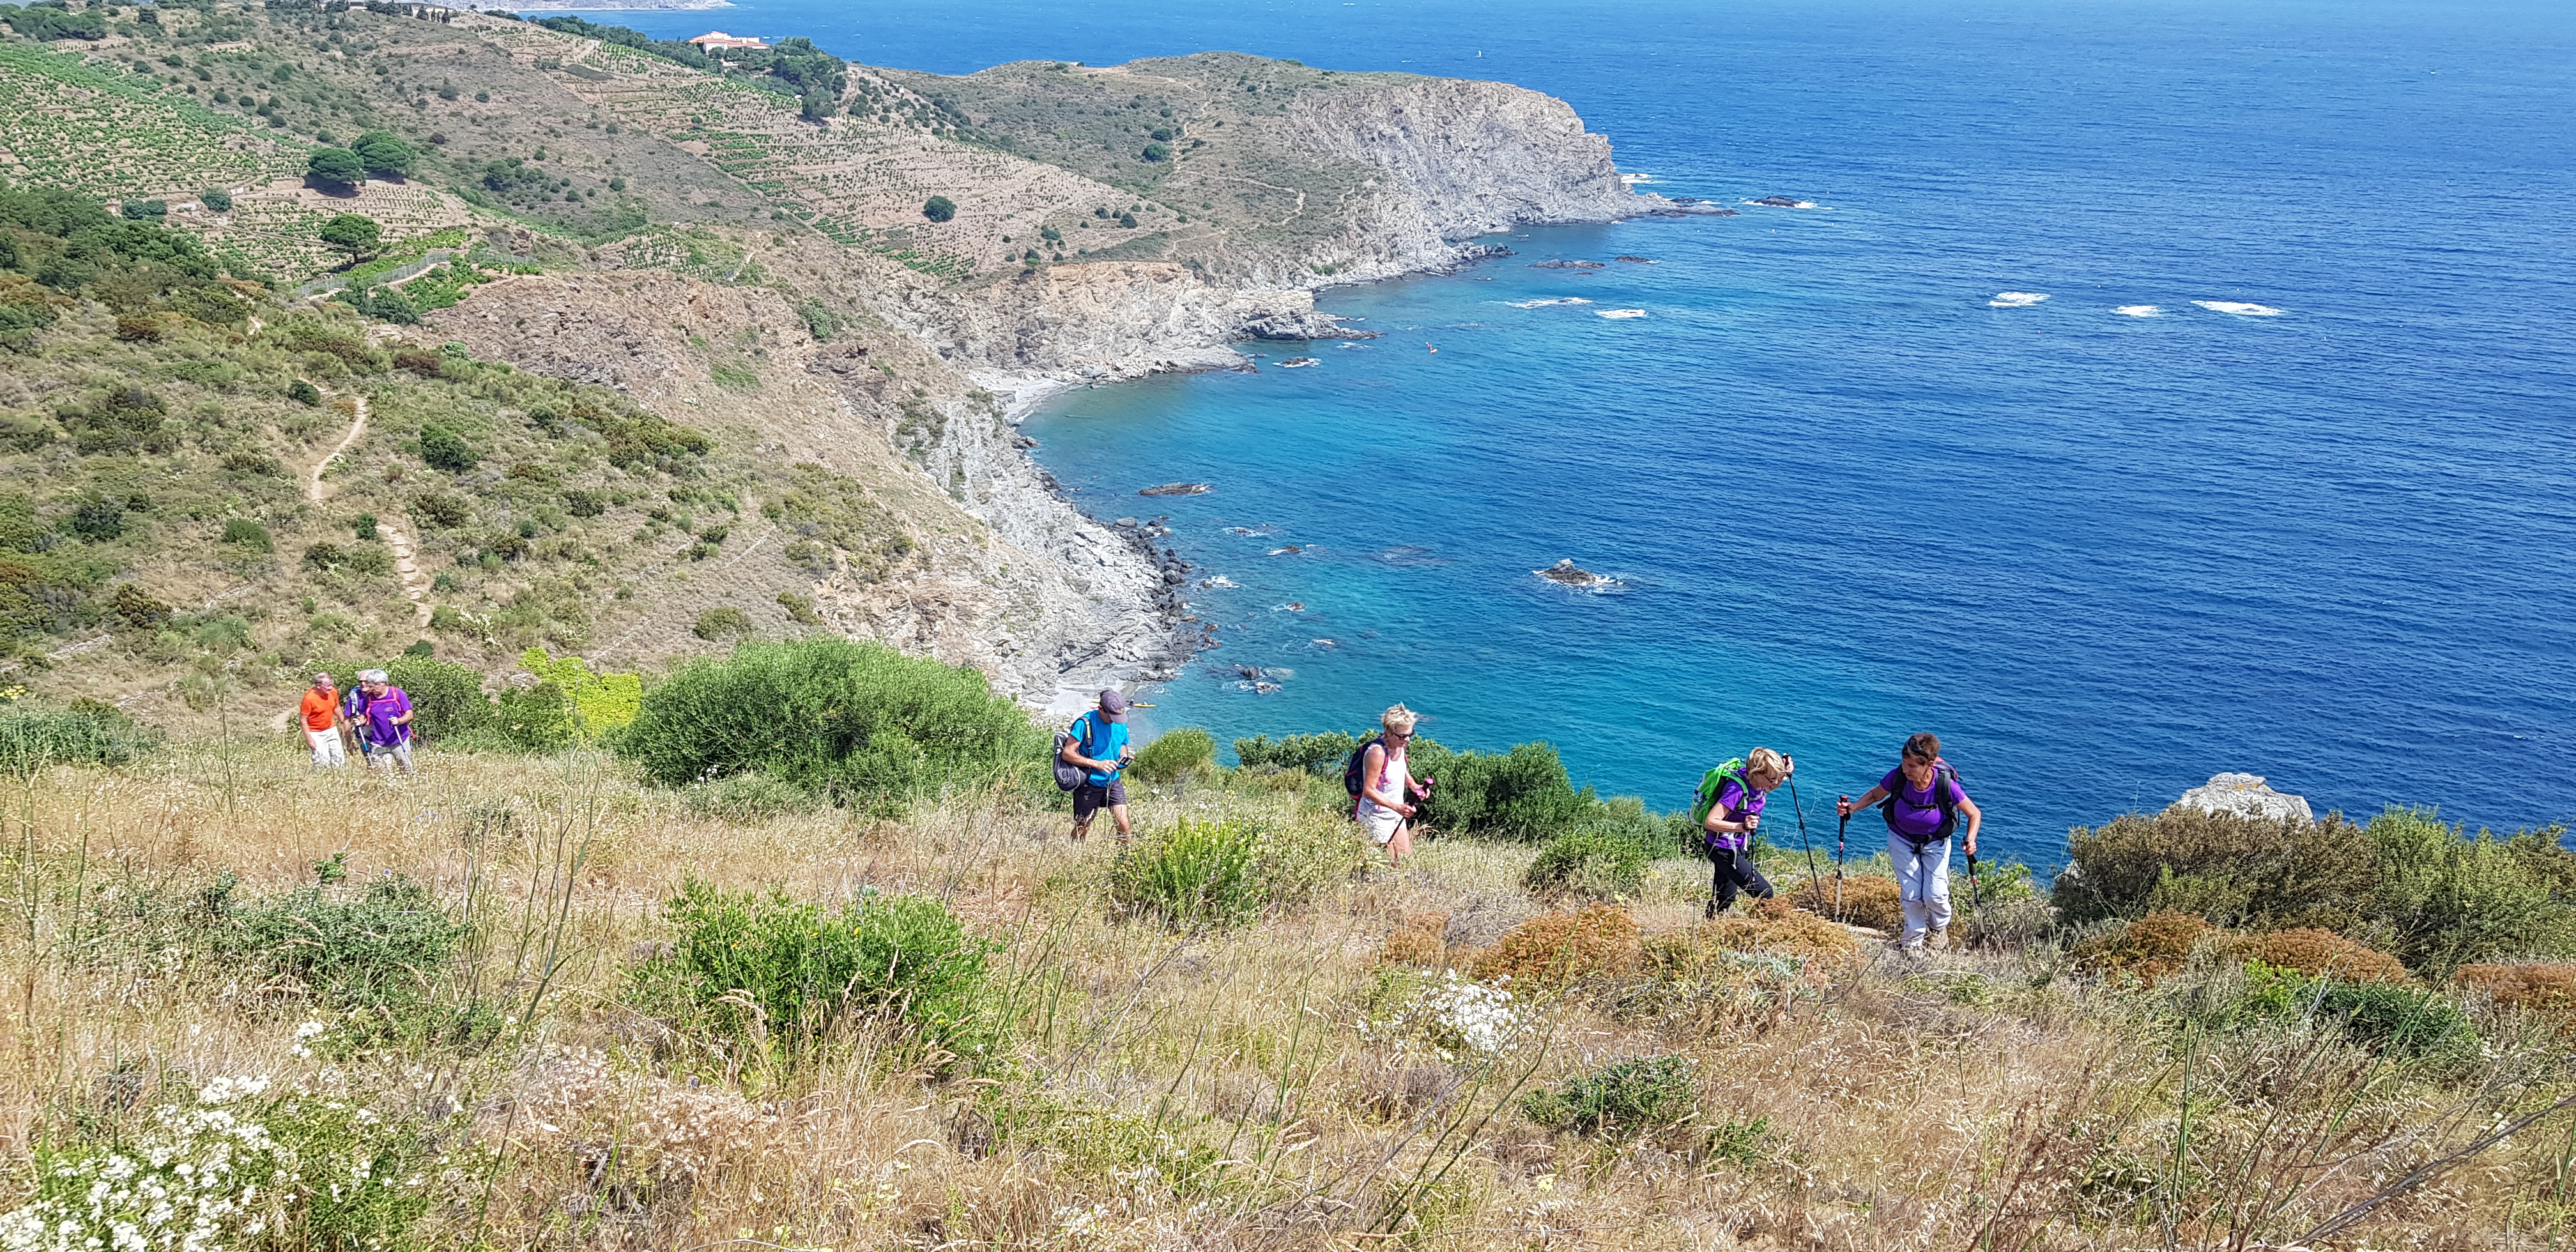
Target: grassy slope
[(1979, 1102), (739, 377), (520, 557), (1245, 191)]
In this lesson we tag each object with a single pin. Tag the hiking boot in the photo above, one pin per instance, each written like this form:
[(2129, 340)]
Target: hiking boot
[(1939, 940), (1710, 913)]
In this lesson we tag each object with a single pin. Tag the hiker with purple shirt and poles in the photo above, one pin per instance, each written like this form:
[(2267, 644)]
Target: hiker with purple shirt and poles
[(1735, 793), (383, 719), (1922, 801)]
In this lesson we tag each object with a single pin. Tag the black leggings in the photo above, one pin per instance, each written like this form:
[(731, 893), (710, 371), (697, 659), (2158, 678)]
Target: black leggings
[(1735, 870)]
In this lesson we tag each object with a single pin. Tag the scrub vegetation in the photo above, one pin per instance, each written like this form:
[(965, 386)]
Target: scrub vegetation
[(773, 939), (847, 1026)]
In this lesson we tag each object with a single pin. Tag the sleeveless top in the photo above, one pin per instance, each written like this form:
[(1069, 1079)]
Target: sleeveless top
[(1390, 782)]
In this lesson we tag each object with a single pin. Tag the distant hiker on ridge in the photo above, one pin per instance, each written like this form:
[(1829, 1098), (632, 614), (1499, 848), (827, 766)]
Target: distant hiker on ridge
[(1729, 809), (1922, 801), (1096, 743), (1382, 778)]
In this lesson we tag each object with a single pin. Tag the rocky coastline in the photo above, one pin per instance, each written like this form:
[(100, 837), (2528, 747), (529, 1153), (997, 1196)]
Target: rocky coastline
[(1199, 343)]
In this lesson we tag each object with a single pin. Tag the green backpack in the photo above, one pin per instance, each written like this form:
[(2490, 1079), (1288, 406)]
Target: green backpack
[(1713, 782)]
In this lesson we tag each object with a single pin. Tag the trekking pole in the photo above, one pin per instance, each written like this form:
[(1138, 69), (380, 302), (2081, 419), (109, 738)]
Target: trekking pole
[(1841, 835), (1801, 811), (1976, 905)]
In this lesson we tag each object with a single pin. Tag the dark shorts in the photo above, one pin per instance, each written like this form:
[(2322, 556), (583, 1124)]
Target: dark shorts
[(1089, 800)]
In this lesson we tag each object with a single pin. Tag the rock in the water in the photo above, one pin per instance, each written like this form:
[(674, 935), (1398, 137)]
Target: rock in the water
[(1778, 202), (1178, 489), (1570, 574), (1635, 260), (1569, 265), (2247, 795)]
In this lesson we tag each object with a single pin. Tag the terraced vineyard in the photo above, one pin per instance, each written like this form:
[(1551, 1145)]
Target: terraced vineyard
[(98, 129), (278, 225)]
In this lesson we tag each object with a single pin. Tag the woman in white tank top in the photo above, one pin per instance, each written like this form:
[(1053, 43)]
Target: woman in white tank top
[(1382, 806)]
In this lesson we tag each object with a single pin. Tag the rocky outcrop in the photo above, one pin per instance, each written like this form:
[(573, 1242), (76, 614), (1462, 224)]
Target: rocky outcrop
[(1088, 322), (1467, 158), (2247, 795)]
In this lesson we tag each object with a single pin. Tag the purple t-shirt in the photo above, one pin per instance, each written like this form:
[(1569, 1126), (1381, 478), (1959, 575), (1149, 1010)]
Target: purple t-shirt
[(1918, 811), (380, 714), (1734, 804)]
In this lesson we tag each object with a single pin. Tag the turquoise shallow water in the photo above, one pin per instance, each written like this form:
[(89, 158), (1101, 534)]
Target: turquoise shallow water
[(1846, 495)]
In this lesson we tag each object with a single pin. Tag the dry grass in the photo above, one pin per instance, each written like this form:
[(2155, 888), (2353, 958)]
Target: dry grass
[(1866, 900), (1213, 1090)]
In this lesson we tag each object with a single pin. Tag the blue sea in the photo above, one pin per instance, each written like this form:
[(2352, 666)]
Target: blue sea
[(2279, 477)]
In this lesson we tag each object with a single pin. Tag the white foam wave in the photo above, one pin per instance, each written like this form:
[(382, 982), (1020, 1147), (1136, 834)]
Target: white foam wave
[(1620, 315), (2139, 310), (1543, 303), (2239, 308), (2016, 299)]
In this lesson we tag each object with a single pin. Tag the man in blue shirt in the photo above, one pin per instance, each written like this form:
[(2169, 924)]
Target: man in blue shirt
[(1097, 744)]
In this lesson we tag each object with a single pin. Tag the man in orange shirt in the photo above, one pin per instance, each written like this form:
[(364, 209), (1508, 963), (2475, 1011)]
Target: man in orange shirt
[(320, 712)]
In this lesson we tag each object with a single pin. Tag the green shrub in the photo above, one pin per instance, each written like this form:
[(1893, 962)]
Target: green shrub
[(1522, 794), (386, 949), (1601, 865), (1189, 752), (444, 449), (2447, 900), (216, 201), (447, 700), (939, 208), (1195, 874), (244, 533), (2407, 1021), (1225, 872), (2233, 871), (1314, 754), (851, 721), (534, 719), (1621, 1100), (33, 736), (799, 975), (722, 622)]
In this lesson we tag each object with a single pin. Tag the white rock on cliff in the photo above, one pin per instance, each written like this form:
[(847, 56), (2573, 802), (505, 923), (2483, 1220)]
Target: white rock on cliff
[(2247, 795)]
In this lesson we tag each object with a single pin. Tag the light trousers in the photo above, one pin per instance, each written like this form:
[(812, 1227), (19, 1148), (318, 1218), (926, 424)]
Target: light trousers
[(1922, 885), (328, 753)]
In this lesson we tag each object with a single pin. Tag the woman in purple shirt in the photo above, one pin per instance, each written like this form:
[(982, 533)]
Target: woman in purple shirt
[(1731, 824), (1923, 802)]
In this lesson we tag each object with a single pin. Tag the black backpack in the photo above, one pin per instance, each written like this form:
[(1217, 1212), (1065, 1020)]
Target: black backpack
[(1067, 774), (1354, 770), (1945, 789)]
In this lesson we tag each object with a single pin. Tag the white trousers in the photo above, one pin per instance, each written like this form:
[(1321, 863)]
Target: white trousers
[(1922, 885), (327, 750)]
